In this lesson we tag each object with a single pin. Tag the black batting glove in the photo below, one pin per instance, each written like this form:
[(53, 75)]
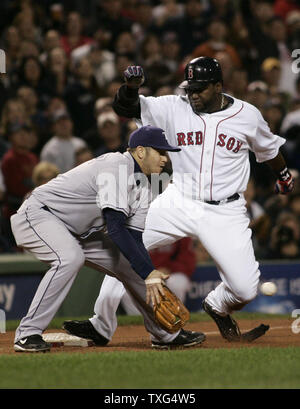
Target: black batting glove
[(134, 76)]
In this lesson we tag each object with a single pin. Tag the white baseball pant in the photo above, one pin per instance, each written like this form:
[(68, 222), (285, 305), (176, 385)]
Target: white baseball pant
[(224, 232)]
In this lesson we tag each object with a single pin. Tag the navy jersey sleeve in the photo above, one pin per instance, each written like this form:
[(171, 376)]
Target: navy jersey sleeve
[(128, 241)]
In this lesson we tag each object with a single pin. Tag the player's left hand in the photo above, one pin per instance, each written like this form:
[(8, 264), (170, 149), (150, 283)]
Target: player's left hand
[(285, 183), (154, 285)]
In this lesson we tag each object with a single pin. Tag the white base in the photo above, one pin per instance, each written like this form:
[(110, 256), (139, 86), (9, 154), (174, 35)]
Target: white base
[(60, 339)]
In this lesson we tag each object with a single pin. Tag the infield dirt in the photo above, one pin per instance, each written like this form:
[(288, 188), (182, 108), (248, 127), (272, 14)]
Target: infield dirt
[(135, 337)]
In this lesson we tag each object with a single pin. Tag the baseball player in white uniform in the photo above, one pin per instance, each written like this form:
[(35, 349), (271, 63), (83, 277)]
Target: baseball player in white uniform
[(205, 200), (109, 194)]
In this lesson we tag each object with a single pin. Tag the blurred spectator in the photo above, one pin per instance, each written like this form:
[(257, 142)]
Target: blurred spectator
[(217, 41), (125, 43), (33, 74), (273, 113), (33, 112), (271, 74), (122, 61), (83, 155), (81, 95), (158, 71), (227, 68), (60, 149), (28, 48), (43, 172), (110, 134), (222, 9), (283, 7), (257, 94), (73, 36), (260, 222), (191, 27), (293, 28), (58, 68), (109, 17), (101, 59), (144, 23), (171, 51), (14, 111), (17, 166), (294, 203), (51, 41), (278, 32), (238, 84), (168, 9), (91, 137), (285, 238), (256, 14), (24, 21), (112, 87), (11, 46)]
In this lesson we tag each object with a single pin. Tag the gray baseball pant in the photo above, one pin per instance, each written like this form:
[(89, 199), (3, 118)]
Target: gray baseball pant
[(48, 239)]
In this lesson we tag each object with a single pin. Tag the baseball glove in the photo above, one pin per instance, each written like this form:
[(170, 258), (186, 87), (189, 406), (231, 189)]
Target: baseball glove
[(170, 313)]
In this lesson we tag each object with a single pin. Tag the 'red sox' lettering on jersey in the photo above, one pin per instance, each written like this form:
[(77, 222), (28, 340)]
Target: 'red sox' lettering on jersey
[(191, 138), (230, 144)]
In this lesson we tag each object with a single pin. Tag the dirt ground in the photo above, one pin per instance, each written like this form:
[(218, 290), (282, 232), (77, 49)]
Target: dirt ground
[(135, 338)]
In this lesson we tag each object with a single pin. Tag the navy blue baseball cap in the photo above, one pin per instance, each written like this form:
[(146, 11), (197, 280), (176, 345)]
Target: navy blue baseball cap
[(152, 137)]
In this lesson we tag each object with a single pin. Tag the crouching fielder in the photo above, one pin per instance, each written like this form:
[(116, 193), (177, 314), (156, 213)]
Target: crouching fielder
[(110, 194)]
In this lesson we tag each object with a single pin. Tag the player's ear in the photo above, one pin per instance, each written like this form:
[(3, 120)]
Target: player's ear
[(141, 152), (218, 87)]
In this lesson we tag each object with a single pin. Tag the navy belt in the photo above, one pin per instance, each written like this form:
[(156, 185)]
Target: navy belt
[(232, 198)]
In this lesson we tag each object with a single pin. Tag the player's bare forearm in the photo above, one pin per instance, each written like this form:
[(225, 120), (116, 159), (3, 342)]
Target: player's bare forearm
[(277, 164)]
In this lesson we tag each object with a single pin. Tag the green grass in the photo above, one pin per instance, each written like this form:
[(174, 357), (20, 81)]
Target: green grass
[(197, 368), (137, 320)]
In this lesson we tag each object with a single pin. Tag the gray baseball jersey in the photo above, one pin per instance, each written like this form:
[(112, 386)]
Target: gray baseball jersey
[(77, 197), (75, 200)]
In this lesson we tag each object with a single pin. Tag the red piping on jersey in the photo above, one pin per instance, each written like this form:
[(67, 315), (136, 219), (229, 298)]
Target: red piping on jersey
[(212, 164), (202, 155)]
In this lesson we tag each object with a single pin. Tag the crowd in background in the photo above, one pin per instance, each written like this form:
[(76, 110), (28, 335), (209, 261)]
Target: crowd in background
[(65, 62)]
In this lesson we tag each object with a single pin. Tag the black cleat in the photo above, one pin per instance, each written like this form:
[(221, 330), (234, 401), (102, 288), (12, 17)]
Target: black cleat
[(32, 343), (184, 339), (228, 327), (85, 329)]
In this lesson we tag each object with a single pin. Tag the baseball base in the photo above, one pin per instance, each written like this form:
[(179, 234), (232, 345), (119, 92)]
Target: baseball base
[(60, 339)]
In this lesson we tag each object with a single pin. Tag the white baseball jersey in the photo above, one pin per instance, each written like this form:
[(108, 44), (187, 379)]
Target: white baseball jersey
[(214, 160), (78, 196)]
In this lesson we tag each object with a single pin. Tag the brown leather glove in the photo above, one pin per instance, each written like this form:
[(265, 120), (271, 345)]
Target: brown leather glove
[(170, 312)]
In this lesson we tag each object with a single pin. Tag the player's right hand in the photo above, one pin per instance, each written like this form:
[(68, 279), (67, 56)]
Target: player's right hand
[(134, 76), (285, 183), (154, 286)]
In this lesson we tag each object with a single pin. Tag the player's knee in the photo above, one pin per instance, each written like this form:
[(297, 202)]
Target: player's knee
[(246, 293), (75, 259)]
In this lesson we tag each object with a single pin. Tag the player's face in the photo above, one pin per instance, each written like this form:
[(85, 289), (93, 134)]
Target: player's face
[(154, 161), (202, 99)]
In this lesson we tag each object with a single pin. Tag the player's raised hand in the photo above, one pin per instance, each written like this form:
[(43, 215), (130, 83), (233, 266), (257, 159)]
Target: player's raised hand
[(134, 76), (285, 183)]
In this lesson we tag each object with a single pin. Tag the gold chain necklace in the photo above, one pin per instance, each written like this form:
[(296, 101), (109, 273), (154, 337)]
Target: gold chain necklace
[(222, 101)]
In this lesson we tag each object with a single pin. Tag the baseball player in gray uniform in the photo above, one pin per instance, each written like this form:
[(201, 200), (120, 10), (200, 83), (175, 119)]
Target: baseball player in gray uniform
[(109, 194), (215, 133)]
